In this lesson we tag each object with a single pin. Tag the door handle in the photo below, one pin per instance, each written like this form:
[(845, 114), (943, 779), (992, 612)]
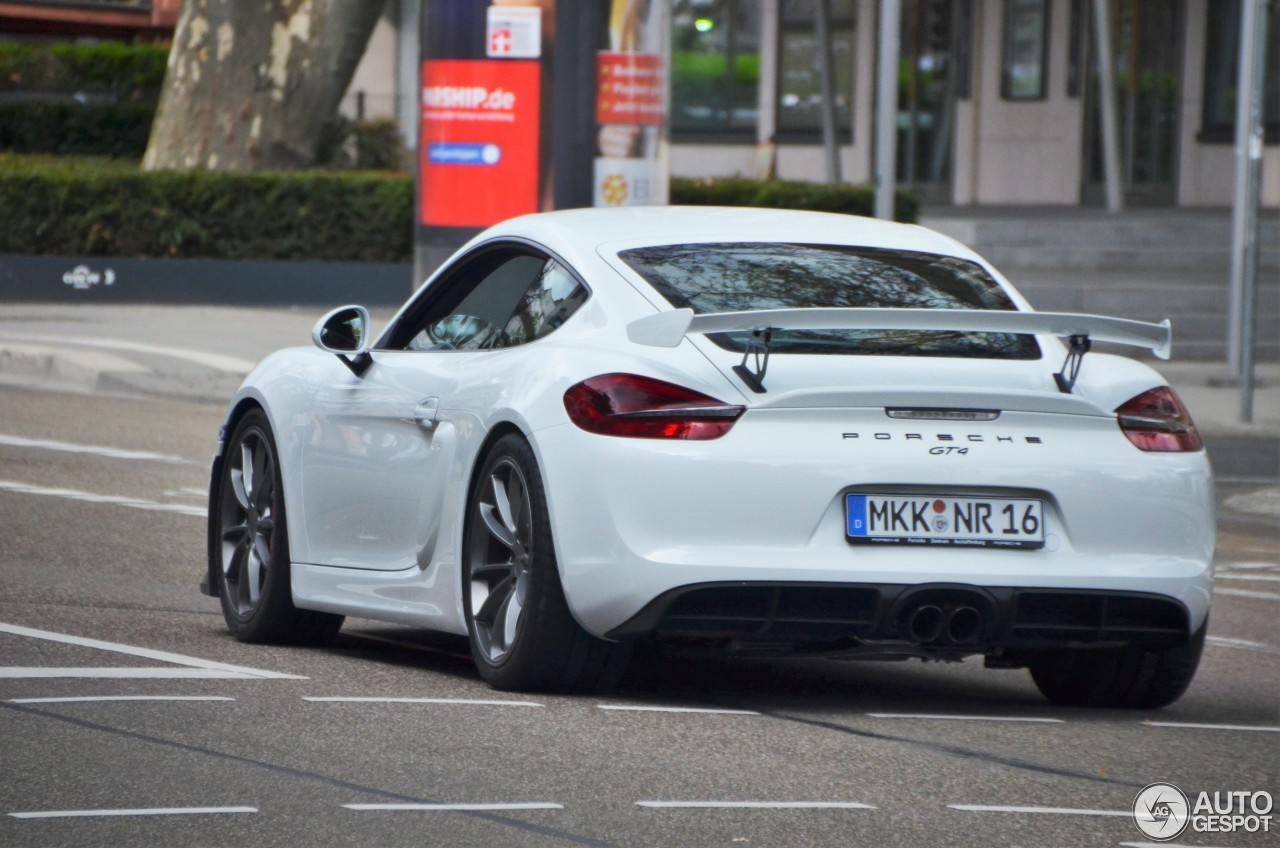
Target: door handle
[(424, 415)]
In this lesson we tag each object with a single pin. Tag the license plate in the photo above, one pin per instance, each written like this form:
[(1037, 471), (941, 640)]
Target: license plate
[(944, 520)]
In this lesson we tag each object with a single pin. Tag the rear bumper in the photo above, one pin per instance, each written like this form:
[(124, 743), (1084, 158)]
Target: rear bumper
[(935, 619)]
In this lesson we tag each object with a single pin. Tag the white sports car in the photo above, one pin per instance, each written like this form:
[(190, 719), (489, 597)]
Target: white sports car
[(759, 432)]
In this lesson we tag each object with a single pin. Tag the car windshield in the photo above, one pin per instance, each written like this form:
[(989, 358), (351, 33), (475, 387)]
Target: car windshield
[(734, 277)]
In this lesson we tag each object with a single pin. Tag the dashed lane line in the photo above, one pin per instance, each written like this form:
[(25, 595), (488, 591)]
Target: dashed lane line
[(96, 698), (155, 811), (1242, 645), (1055, 811), (193, 666), (89, 497), (456, 701), (1233, 727), (1248, 593), (754, 805), (454, 808), (700, 710), (95, 450), (945, 717)]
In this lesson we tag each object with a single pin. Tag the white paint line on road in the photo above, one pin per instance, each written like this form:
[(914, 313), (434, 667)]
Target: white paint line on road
[(1242, 645), (1248, 565), (462, 701), (1237, 727), (147, 653), (454, 808), (967, 717), (1248, 593), (702, 710), (156, 811), (89, 497), (119, 673), (1266, 578), (216, 361), (96, 698), (96, 450), (1056, 811), (754, 805)]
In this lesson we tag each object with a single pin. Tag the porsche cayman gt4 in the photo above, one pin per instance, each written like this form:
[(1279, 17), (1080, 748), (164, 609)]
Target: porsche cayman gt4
[(766, 433)]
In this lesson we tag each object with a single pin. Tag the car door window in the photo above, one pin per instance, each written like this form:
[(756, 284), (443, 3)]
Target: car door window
[(500, 298)]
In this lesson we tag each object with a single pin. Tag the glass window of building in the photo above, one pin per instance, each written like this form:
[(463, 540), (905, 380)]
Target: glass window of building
[(1222, 67), (799, 81), (715, 65)]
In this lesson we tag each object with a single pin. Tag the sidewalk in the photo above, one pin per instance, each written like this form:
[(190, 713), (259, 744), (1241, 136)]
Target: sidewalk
[(201, 354)]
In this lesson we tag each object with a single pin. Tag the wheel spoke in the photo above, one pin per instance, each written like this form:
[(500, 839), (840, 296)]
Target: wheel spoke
[(266, 525), (489, 570), (253, 576), (236, 534), (504, 506), (247, 473), (511, 619), (497, 596), (237, 486), (234, 564), (266, 488), (495, 526)]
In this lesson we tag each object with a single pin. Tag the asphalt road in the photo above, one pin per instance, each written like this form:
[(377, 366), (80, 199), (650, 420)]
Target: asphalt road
[(101, 547)]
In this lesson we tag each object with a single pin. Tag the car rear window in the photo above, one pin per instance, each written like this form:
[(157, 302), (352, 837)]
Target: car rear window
[(741, 276)]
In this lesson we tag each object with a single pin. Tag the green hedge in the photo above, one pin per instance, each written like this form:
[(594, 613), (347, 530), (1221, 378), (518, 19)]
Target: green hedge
[(65, 206), (782, 194), (99, 207), (129, 71), (69, 128)]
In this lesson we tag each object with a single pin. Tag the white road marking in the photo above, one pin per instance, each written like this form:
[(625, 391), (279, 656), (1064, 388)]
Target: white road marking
[(1248, 565), (1268, 578), (1242, 727), (448, 808), (193, 663), (89, 497), (1242, 645), (754, 805), (465, 701), (119, 673), (156, 811), (1248, 593), (1058, 811), (89, 698), (216, 361), (96, 450), (966, 717), (703, 710)]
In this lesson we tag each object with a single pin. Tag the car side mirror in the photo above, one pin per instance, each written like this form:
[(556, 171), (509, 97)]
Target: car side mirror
[(344, 332)]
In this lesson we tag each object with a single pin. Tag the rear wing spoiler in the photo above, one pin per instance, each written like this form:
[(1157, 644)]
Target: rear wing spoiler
[(668, 329)]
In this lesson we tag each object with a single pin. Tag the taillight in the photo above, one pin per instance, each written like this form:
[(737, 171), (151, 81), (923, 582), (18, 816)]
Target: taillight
[(1157, 421), (645, 408)]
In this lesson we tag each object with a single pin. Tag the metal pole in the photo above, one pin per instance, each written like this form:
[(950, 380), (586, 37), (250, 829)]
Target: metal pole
[(826, 70), (887, 109), (1107, 104), (1244, 231)]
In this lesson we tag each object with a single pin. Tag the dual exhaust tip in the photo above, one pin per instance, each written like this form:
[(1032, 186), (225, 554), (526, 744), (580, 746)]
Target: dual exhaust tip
[(928, 624)]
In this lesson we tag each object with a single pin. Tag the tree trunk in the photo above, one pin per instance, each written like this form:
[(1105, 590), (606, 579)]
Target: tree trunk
[(252, 83)]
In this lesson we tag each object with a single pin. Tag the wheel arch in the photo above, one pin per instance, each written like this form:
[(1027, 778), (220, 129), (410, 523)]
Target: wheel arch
[(239, 409)]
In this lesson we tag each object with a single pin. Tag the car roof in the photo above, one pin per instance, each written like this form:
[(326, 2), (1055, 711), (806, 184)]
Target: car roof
[(593, 229)]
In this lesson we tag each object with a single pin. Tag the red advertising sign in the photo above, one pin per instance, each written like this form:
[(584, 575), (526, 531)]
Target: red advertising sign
[(479, 142), (631, 88)]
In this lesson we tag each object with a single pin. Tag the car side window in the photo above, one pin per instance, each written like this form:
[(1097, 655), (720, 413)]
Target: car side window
[(500, 298), (545, 305)]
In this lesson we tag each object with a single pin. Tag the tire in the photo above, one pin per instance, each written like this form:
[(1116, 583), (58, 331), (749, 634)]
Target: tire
[(522, 634), (1131, 678), (249, 544)]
